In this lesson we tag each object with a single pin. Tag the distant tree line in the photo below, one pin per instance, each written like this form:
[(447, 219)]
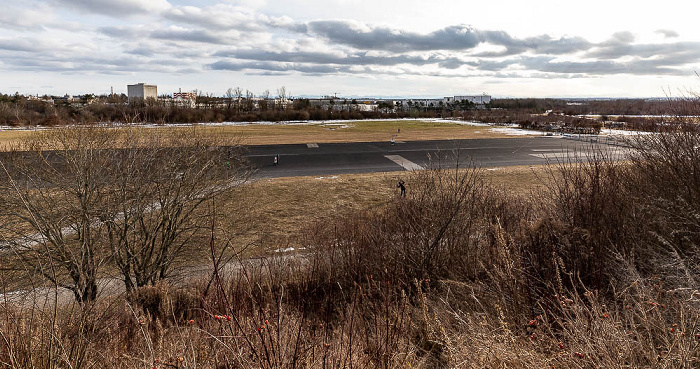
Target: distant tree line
[(18, 110), (239, 106), (591, 106)]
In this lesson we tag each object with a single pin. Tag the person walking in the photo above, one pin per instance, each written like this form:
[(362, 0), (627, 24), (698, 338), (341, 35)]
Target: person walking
[(276, 160), (402, 186)]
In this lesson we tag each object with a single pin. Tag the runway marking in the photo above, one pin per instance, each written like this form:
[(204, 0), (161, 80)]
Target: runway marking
[(312, 145), (407, 164)]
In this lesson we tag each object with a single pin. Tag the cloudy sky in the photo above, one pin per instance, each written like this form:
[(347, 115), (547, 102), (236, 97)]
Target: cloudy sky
[(411, 48)]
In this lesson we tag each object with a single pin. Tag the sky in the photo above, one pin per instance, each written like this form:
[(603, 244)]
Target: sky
[(394, 48)]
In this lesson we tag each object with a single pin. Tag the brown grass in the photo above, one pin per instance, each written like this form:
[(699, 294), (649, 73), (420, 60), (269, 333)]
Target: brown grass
[(356, 131), (359, 131), (276, 209)]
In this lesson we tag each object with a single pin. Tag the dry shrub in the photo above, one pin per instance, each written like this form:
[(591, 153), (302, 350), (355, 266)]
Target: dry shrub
[(50, 337), (437, 231), (590, 221), (666, 179)]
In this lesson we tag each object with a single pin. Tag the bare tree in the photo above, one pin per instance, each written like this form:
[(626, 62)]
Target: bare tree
[(265, 98), (160, 186), (249, 103), (229, 98), (281, 97), (238, 93), (53, 189), (74, 199)]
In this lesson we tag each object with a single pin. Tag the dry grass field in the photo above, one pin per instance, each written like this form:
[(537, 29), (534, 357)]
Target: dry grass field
[(330, 131)]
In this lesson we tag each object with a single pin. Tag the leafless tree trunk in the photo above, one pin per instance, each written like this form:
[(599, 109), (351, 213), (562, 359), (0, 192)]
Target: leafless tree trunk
[(161, 184), (53, 189), (75, 199)]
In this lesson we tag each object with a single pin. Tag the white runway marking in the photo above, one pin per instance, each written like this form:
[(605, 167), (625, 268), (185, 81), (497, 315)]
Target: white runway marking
[(407, 164), (312, 145)]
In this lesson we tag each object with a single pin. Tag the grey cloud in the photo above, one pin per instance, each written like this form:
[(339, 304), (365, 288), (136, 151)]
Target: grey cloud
[(358, 58), (680, 52), (278, 67), (115, 8), (26, 45), (103, 65), (541, 44), (217, 16), (596, 67), (72, 60), (341, 63), (121, 32), (173, 34), (550, 65), (188, 35), (667, 33), (14, 17), (289, 26), (382, 38), (448, 38), (623, 37), (141, 50)]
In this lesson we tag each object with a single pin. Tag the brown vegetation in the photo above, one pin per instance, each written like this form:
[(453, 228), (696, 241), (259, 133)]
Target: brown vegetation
[(600, 272)]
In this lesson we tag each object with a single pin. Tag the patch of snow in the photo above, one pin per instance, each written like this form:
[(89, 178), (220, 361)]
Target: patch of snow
[(512, 131), (337, 125), (467, 123), (288, 249), (331, 177), (621, 132)]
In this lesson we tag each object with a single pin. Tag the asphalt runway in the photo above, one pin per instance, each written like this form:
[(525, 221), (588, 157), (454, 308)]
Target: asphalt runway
[(365, 157)]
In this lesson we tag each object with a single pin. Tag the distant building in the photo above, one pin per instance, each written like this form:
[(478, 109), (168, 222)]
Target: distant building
[(185, 99), (142, 91), (475, 99), (479, 101), (185, 95)]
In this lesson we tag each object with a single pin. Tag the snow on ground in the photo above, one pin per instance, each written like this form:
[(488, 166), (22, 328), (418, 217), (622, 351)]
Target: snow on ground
[(507, 129), (512, 131), (620, 132)]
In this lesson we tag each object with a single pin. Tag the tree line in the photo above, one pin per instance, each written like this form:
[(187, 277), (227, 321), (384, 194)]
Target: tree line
[(238, 106)]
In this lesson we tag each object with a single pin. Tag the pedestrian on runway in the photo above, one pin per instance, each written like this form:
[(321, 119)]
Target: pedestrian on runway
[(277, 159)]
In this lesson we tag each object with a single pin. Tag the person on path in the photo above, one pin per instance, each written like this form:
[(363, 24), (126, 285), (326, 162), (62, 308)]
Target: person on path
[(277, 159), (402, 186)]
